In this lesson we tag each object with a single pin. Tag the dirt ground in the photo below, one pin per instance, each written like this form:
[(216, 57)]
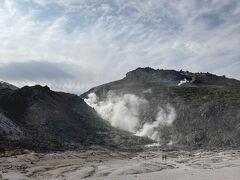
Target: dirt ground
[(106, 164)]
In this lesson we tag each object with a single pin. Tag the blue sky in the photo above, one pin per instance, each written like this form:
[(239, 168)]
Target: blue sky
[(73, 45)]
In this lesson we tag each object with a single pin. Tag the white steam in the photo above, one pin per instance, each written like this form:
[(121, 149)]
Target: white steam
[(147, 91), (183, 82), (123, 111), (165, 117)]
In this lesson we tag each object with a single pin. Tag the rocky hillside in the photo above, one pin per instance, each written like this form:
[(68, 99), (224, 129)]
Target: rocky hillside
[(40, 119), (206, 106), (4, 85)]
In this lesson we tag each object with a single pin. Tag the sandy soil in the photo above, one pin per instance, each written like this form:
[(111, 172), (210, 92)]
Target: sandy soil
[(100, 165)]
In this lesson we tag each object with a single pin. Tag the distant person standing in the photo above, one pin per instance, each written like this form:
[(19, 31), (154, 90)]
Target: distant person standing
[(164, 157)]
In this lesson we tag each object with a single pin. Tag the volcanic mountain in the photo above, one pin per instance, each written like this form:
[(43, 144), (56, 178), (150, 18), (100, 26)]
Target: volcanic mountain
[(206, 106)]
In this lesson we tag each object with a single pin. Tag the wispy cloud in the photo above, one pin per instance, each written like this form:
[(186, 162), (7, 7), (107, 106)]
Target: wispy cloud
[(100, 41)]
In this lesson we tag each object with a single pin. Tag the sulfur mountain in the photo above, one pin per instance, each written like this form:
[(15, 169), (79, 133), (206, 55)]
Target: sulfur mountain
[(207, 106)]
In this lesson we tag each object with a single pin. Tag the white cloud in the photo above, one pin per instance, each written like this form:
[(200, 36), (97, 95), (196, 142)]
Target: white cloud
[(109, 38)]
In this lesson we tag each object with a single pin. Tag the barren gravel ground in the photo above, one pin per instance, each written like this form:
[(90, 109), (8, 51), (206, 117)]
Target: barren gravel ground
[(120, 165)]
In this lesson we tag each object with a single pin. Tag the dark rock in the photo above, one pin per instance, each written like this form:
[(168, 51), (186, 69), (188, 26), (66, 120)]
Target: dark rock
[(39, 119)]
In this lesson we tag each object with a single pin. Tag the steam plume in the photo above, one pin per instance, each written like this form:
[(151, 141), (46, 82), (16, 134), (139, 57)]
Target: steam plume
[(183, 82), (165, 117), (123, 111)]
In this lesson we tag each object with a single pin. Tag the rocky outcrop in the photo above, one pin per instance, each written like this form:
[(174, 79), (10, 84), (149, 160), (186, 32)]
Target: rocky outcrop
[(4, 85)]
